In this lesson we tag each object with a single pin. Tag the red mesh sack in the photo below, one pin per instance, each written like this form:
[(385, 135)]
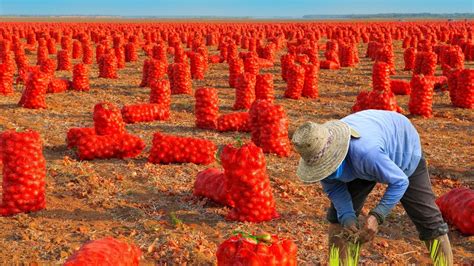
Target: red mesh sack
[(75, 134), (257, 250), (206, 108), (24, 172), (120, 56), (212, 184), (425, 63), (108, 66), (333, 57), (76, 50), (409, 58), (385, 54), (197, 66), (239, 121), (236, 68), (286, 61), (87, 53), (453, 76), (295, 82), (90, 147), (181, 79), (108, 119), (400, 87), (42, 54), (380, 100), (381, 76), (146, 66), (80, 78), (160, 92), (462, 216), (251, 64), (64, 62), (6, 80), (421, 97), (173, 149), (106, 251), (159, 52), (57, 85), (131, 52), (310, 87), (248, 184), (145, 112), (100, 50), (244, 91), (273, 133), (264, 87), (34, 94), (156, 71), (326, 64), (463, 93), (347, 54), (258, 107), (51, 45), (48, 66)]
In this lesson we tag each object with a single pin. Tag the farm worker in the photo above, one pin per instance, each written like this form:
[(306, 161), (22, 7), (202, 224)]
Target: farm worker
[(349, 156)]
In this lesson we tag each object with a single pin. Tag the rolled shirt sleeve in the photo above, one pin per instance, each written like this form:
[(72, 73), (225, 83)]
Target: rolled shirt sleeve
[(379, 165), (341, 199)]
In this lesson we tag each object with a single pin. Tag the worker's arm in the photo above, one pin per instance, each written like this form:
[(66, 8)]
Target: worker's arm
[(379, 165), (341, 199)]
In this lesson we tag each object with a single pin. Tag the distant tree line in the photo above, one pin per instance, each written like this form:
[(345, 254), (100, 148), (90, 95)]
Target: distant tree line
[(393, 16)]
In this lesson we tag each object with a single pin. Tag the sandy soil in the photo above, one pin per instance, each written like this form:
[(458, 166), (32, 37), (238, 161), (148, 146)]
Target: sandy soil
[(134, 200)]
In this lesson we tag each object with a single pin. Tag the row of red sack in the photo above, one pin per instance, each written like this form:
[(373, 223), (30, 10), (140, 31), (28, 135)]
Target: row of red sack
[(239, 249)]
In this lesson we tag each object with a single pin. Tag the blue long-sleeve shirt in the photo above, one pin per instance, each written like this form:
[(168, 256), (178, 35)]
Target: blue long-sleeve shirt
[(388, 151)]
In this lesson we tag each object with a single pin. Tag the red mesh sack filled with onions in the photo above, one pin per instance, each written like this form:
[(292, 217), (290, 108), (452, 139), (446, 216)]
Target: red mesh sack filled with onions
[(257, 250), (248, 184), (106, 251), (160, 92), (264, 87), (168, 149), (24, 172), (206, 109), (310, 86), (244, 91), (421, 97), (34, 94), (295, 82), (108, 119), (64, 61), (80, 78), (238, 121), (400, 87), (212, 184), (457, 207), (180, 78), (145, 112)]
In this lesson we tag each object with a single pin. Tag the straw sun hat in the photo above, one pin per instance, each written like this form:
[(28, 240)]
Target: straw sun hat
[(322, 147)]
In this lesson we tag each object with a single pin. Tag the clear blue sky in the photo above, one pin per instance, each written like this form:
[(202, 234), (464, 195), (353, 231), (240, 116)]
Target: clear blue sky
[(262, 8)]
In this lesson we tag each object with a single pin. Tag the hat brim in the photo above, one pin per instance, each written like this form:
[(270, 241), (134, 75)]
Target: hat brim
[(330, 161)]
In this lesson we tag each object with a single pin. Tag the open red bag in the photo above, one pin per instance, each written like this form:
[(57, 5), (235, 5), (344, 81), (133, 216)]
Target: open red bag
[(257, 250)]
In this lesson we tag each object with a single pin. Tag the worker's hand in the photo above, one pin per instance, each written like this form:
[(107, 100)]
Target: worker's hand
[(370, 229), (351, 230)]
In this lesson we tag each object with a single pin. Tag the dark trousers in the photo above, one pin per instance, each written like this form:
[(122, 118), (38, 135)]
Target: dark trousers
[(418, 201)]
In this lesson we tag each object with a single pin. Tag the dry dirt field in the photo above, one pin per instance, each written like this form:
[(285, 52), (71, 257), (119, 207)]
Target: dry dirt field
[(134, 200)]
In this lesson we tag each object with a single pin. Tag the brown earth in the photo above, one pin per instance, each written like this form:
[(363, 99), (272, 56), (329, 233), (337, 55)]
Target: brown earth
[(135, 200)]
